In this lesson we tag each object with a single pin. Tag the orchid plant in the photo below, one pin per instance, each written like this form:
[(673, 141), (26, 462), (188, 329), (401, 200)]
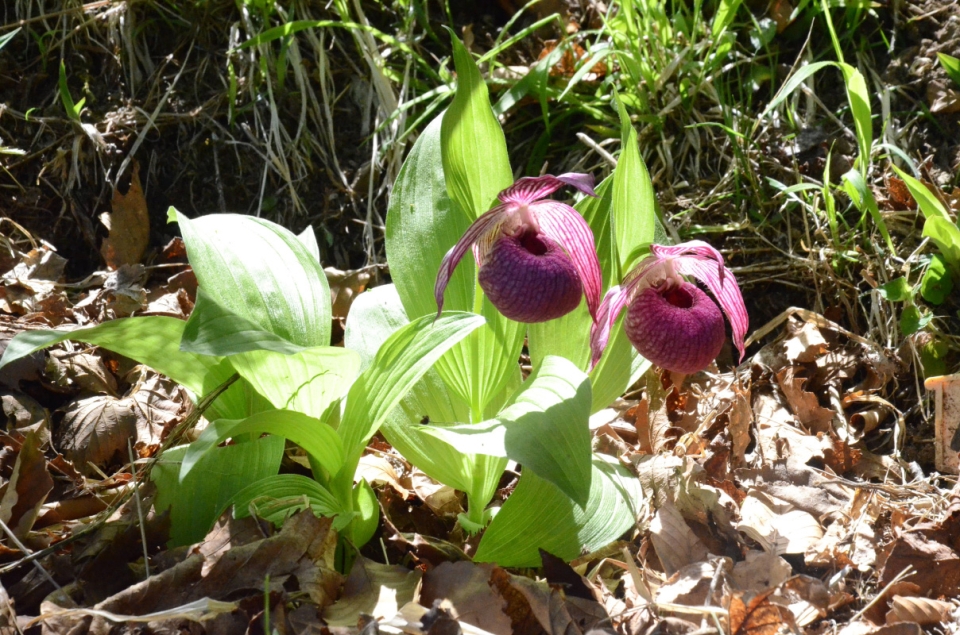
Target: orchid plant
[(431, 361)]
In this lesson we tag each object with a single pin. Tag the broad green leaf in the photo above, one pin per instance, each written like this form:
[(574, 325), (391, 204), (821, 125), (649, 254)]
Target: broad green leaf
[(475, 159), (152, 341), (897, 290), (275, 497), (197, 501), (859, 100), (947, 238), (374, 316), (315, 437), (912, 320), (937, 281), (539, 516), (929, 204), (307, 382), (862, 196), (951, 65), (545, 429), (215, 330), (422, 225), (634, 203), (261, 272), (400, 363)]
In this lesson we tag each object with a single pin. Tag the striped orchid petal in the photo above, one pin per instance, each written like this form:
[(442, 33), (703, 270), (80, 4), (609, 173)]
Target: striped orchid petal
[(563, 224), (533, 188), (536, 257), (488, 223)]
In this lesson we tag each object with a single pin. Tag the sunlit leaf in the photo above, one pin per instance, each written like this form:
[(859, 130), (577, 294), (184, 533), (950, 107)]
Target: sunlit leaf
[(539, 516)]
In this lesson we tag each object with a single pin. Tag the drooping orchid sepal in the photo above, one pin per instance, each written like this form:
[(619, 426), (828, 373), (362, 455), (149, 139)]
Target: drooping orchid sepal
[(670, 321), (536, 256)]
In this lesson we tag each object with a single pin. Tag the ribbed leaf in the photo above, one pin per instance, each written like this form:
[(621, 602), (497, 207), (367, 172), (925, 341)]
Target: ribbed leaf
[(539, 516), (276, 497), (197, 501), (475, 157), (261, 272), (634, 203), (315, 437), (152, 341), (307, 382), (545, 429)]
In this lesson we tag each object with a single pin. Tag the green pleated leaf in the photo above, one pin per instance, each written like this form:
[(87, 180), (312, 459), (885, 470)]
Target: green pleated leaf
[(475, 158), (400, 363), (540, 516), (152, 341), (215, 330), (260, 272), (634, 203), (545, 429), (315, 437), (307, 381), (276, 497), (423, 224), (366, 515), (197, 501), (374, 316)]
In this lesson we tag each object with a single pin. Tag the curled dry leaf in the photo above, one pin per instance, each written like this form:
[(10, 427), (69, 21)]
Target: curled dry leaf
[(805, 345), (804, 404), (691, 584), (28, 487), (33, 280), (923, 611), (128, 223)]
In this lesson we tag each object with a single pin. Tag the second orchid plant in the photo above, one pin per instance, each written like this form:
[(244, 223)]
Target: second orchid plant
[(537, 274)]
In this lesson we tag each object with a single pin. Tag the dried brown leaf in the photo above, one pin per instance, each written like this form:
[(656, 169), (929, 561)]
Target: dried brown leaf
[(95, 429), (128, 223), (84, 370), (28, 487), (923, 611), (776, 525), (676, 544), (466, 586), (375, 589), (803, 403), (760, 570)]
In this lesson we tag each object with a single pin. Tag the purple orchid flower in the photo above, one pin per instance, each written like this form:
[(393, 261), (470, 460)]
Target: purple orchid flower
[(670, 321), (535, 256)]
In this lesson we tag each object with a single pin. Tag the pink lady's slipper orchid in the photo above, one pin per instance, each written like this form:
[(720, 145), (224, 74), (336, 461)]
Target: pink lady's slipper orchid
[(535, 256), (670, 321)]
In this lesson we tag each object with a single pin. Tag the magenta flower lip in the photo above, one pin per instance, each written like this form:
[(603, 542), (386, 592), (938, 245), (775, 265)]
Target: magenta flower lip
[(536, 256), (670, 321)]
